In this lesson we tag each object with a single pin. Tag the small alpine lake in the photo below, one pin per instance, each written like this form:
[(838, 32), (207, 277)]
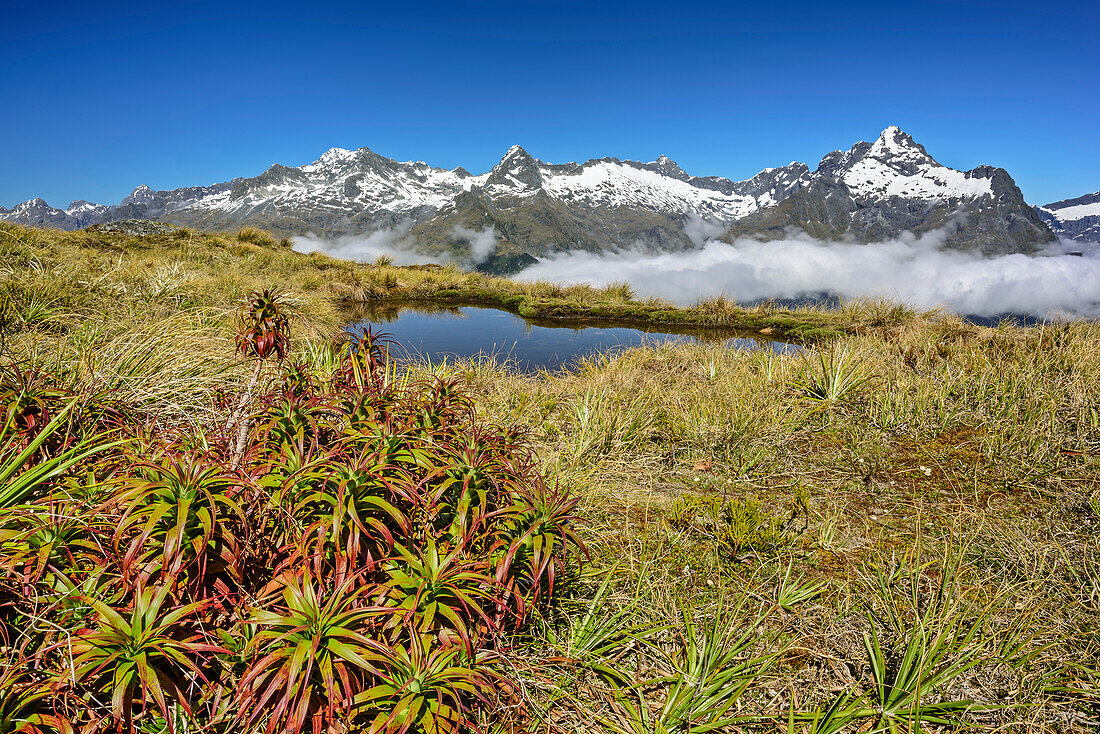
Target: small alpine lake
[(437, 332)]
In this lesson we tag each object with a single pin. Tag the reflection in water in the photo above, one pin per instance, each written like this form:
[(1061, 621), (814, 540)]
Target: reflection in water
[(436, 333)]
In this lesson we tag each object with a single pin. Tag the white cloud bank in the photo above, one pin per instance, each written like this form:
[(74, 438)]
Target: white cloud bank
[(914, 270), (395, 243), (398, 244), (483, 243)]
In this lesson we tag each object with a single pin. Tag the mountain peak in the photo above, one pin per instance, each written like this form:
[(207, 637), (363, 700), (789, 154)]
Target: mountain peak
[(331, 157), (141, 195), (82, 205), (334, 154), (668, 167), (35, 203), (896, 144), (517, 167), (516, 152)]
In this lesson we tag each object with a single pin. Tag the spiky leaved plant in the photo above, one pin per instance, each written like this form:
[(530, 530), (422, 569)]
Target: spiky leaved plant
[(363, 361), (838, 375), (25, 700), (439, 593), (533, 538), (264, 333), (426, 686), (355, 564), (353, 512), (52, 538), (26, 471), (182, 525), (149, 657), (314, 655)]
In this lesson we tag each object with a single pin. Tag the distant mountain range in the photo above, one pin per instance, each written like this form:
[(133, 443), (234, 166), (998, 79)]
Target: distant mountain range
[(1077, 219), (872, 191)]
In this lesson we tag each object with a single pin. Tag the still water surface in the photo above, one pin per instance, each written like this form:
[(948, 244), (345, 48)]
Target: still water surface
[(469, 331)]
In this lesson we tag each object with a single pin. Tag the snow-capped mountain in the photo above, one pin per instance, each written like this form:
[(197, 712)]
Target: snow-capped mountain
[(1077, 219), (875, 191), (871, 191), (37, 213)]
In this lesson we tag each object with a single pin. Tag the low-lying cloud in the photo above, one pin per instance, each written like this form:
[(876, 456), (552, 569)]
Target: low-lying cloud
[(397, 243), (394, 242), (483, 243), (915, 270), (700, 231)]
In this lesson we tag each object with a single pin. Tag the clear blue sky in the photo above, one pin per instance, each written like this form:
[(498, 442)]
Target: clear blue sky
[(102, 96)]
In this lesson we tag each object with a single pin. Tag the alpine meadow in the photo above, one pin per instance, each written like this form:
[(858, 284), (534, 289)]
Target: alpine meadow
[(550, 367), (219, 514)]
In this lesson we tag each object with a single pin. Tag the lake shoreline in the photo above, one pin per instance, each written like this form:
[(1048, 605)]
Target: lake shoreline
[(433, 332), (588, 318), (807, 327)]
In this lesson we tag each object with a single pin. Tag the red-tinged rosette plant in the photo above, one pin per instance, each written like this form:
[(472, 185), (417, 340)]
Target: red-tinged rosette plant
[(264, 332), (444, 406), (476, 476), (439, 593), (314, 654), (152, 657), (184, 526), (31, 399), (50, 540), (292, 419), (363, 362), (429, 686), (355, 512), (27, 702), (299, 380), (28, 397), (539, 531), (265, 328)]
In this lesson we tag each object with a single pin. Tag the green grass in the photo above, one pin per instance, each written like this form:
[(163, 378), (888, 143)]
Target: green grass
[(88, 269), (897, 528)]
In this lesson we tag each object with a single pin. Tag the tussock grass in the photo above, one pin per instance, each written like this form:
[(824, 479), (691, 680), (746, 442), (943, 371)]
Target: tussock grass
[(255, 236), (938, 519), (916, 499)]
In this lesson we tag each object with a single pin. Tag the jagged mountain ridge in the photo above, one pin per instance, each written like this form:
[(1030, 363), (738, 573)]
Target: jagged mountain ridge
[(871, 191), (1077, 219), (876, 191)]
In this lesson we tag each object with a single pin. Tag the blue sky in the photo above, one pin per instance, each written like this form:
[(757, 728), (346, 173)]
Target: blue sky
[(101, 97)]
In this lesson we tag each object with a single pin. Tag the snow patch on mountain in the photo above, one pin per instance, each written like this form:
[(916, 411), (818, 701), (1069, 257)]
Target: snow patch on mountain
[(896, 166), (1080, 211), (1077, 218), (607, 184)]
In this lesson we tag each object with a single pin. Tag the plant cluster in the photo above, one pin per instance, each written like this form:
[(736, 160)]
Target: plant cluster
[(737, 525), (359, 559)]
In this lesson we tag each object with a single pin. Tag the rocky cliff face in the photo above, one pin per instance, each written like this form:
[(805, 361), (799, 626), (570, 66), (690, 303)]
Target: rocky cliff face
[(876, 191), (872, 191)]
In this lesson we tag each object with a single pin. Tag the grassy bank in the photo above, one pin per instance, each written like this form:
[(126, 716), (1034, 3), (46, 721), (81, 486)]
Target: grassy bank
[(922, 506), (80, 270), (896, 531)]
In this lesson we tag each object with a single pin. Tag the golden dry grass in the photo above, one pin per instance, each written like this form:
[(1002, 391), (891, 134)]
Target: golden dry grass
[(958, 455)]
